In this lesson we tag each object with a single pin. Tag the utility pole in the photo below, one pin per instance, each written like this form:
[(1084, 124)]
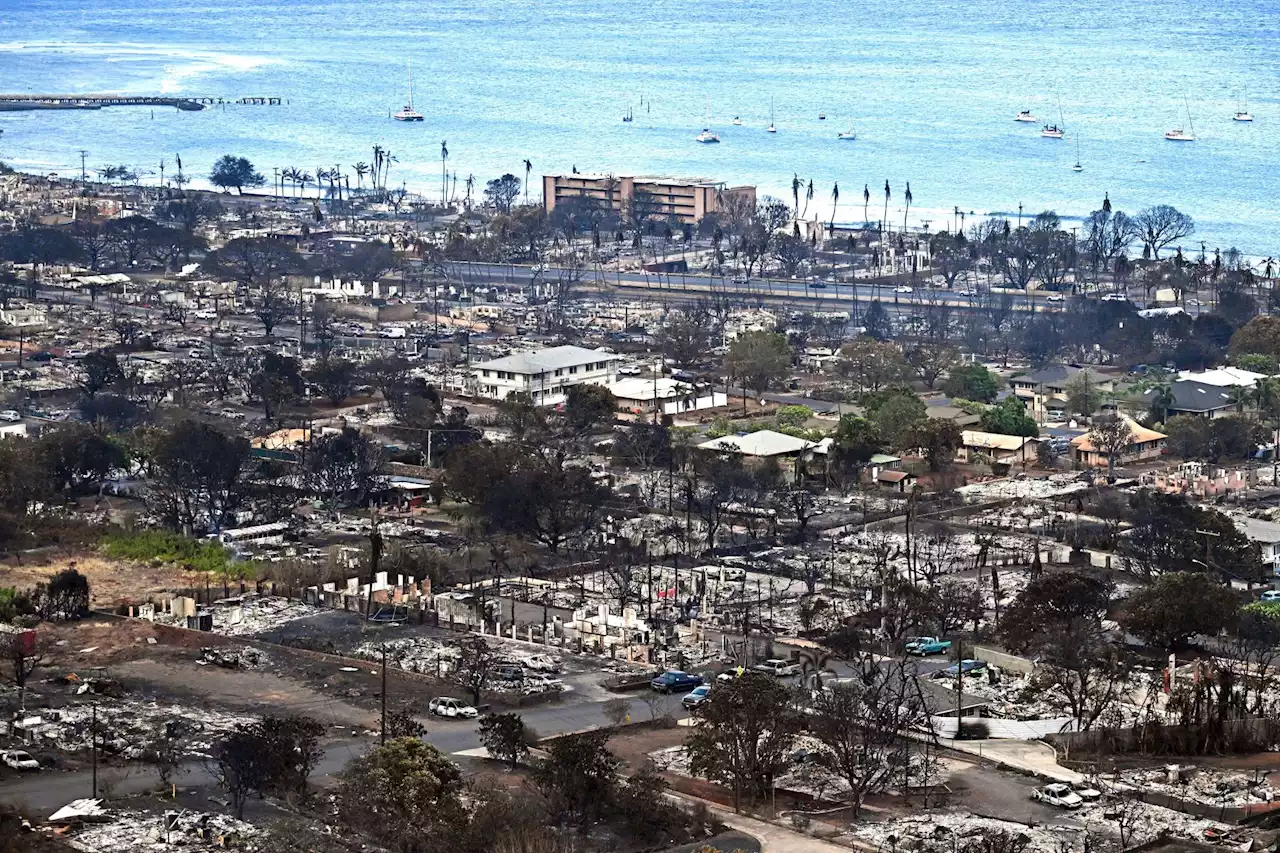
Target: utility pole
[(384, 695), (84, 178), (93, 741)]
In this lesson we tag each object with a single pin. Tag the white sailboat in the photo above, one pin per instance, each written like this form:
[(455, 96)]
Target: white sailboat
[(1025, 115), (771, 128), (407, 112), (707, 137), (1242, 112), (1077, 167), (1183, 134), (1056, 131), (849, 135)]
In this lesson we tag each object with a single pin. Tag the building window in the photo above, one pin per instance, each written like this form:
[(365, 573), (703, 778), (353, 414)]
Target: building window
[(573, 370), (485, 374), (559, 372)]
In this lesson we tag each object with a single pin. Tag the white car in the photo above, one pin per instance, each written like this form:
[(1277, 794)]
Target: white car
[(540, 683), (445, 706), (1053, 297), (542, 663), (1115, 297), (232, 414), (1059, 795), (903, 289), (10, 415), (1086, 792), (19, 760), (777, 667), (968, 291), (77, 353)]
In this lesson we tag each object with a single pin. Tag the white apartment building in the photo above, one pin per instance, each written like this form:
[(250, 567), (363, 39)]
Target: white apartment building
[(545, 375)]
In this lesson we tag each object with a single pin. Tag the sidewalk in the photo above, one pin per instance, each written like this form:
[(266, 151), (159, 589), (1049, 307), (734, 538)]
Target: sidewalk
[(772, 838), (1032, 756)]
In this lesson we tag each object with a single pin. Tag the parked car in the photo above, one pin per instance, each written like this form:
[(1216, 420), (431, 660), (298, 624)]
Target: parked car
[(1270, 595), (445, 706), (1085, 791), (509, 672), (542, 663), (926, 646), (673, 680), (1059, 795), (542, 683), (10, 415), (19, 760), (1115, 297), (902, 288), (968, 666), (777, 667), (696, 696), (730, 674), (1054, 297)]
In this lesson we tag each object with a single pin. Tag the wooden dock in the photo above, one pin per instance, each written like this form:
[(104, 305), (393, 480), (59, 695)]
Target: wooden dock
[(95, 102)]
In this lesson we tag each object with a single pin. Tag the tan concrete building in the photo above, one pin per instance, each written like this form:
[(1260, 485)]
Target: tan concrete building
[(687, 199)]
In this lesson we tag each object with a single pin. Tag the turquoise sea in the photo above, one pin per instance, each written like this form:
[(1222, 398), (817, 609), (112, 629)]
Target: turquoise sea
[(931, 88)]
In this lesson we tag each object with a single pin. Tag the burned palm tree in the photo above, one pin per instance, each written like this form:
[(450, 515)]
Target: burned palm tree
[(884, 220), (907, 210), (835, 203), (528, 167), (444, 173), (866, 203)]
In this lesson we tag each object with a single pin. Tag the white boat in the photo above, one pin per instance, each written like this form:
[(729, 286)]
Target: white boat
[(628, 118), (1183, 134), (848, 135), (1077, 167), (707, 136), (737, 121), (407, 112), (1242, 112), (822, 116), (1056, 131), (771, 128), (1025, 115)]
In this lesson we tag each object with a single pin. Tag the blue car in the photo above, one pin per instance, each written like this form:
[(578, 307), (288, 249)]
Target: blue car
[(673, 680), (696, 697), (968, 666), (1270, 595)]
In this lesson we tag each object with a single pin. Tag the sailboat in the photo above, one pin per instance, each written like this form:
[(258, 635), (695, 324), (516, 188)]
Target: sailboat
[(407, 112), (628, 117), (1024, 115), (848, 135), (1056, 131), (707, 136), (1187, 134), (1242, 112), (771, 128), (1077, 167)]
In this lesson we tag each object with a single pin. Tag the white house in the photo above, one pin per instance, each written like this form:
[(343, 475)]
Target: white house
[(1266, 534), (545, 375), (670, 396)]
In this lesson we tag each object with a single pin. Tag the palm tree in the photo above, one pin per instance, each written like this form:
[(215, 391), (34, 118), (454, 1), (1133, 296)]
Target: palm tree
[(835, 202), (884, 220), (1161, 400), (866, 201), (1239, 396), (378, 153), (528, 167), (444, 175), (808, 196), (303, 179), (387, 159), (361, 169), (471, 183), (795, 191), (908, 208)]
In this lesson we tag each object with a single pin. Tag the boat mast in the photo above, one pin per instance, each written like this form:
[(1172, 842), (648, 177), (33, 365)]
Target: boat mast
[(1190, 123), (410, 84)]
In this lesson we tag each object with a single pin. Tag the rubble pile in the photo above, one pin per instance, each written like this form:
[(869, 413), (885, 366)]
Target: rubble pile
[(426, 655), (945, 831), (1015, 696), (243, 657), (131, 831), (1204, 785), (1052, 486), (258, 614), (127, 727)]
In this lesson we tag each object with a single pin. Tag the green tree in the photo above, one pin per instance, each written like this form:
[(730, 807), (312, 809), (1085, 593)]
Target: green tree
[(938, 439), (401, 793), (757, 360), (588, 407), (871, 363), (745, 730), (1177, 607), (1260, 336), (855, 442), (877, 322), (275, 382), (1084, 397), (336, 378), (897, 416), (1009, 417), (1188, 436), (505, 737), (232, 171), (579, 776), (502, 192), (972, 382)]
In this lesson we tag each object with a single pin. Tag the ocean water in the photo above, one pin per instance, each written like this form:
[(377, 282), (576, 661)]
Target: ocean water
[(931, 88)]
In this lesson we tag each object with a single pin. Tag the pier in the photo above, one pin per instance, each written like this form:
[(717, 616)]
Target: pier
[(95, 102)]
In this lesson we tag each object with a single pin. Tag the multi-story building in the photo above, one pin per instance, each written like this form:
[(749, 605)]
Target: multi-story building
[(545, 375), (685, 199)]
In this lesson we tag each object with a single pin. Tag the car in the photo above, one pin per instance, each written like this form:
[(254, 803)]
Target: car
[(740, 280), (542, 683), (926, 646), (19, 760), (902, 288), (1058, 794), (10, 415), (1053, 297), (696, 696), (542, 663), (1270, 595), (77, 353), (673, 680), (231, 414), (1115, 297), (969, 666), (509, 672), (968, 291), (817, 285), (777, 667), (1056, 414), (447, 706), (730, 675), (1086, 792)]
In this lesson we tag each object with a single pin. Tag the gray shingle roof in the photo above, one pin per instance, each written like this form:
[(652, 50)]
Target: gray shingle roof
[(540, 361)]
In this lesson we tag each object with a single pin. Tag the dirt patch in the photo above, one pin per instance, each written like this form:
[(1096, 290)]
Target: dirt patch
[(634, 743), (111, 582)]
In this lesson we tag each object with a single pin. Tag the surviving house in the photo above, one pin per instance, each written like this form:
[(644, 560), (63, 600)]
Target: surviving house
[(997, 447), (545, 375), (1046, 389), (1144, 445)]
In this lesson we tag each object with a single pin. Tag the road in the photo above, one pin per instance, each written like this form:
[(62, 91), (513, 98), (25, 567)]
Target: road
[(46, 791)]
